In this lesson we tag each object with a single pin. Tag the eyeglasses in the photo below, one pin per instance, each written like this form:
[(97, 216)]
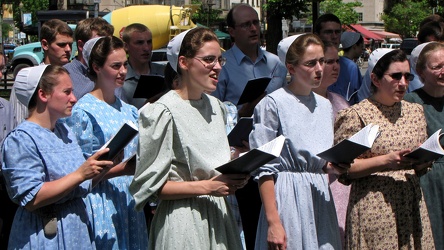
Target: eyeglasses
[(210, 61), (248, 24), (399, 75), (331, 61), (314, 62)]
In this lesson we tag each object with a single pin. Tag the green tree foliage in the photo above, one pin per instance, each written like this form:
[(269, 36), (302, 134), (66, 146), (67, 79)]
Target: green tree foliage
[(29, 6), (6, 28), (404, 17), (344, 11), (203, 15), (278, 9)]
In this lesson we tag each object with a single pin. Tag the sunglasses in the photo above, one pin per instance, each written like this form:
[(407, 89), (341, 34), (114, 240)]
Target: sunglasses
[(399, 75)]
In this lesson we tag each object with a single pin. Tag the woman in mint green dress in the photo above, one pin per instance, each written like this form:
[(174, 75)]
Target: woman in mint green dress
[(182, 141)]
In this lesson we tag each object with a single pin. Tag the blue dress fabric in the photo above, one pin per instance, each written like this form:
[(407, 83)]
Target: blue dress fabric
[(110, 206), (303, 197), (33, 155)]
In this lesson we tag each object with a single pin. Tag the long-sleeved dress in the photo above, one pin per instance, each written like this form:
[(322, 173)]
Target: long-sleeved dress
[(303, 196), (184, 140), (432, 183), (33, 155), (110, 206), (386, 209)]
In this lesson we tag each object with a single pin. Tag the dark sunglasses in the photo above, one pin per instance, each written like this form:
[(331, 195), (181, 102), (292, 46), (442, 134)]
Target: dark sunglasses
[(399, 75)]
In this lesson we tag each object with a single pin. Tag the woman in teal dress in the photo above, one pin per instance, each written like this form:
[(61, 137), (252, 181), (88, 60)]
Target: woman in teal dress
[(44, 169), (182, 141), (431, 96), (96, 118)]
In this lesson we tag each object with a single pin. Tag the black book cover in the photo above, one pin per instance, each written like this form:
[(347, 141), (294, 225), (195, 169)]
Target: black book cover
[(149, 86), (254, 89), (118, 142), (240, 132), (255, 158)]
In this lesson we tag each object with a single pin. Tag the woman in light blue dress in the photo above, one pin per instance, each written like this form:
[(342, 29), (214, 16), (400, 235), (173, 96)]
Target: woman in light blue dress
[(96, 118), (44, 169), (298, 210)]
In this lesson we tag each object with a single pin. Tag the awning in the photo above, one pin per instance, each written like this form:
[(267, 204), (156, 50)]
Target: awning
[(365, 32), (386, 34)]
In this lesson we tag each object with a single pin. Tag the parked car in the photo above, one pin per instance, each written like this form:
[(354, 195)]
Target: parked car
[(408, 44), (391, 45)]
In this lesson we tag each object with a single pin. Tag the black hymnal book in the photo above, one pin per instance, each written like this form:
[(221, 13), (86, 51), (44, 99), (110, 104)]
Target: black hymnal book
[(118, 142), (430, 150), (254, 88), (254, 158), (240, 132), (149, 86), (347, 150)]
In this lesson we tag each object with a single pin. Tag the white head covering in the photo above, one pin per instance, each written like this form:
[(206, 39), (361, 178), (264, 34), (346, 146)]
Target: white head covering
[(375, 56), (415, 55), (26, 82), (87, 48), (173, 49), (283, 46)]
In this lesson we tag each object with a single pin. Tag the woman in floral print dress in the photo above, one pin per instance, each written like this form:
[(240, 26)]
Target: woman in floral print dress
[(386, 208)]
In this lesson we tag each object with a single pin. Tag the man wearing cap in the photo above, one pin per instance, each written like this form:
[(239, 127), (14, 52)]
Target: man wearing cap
[(246, 60), (328, 28), (138, 41), (78, 68)]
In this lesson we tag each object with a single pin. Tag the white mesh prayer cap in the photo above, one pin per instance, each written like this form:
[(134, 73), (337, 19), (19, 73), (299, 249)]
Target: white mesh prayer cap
[(87, 48), (173, 49), (283, 46), (26, 82)]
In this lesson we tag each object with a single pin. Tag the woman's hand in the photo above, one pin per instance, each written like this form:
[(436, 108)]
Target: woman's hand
[(93, 167), (276, 238), (396, 160), (236, 151), (336, 169), (226, 184)]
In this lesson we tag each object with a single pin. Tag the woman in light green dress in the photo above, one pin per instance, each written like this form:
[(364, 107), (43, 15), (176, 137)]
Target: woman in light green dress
[(182, 141)]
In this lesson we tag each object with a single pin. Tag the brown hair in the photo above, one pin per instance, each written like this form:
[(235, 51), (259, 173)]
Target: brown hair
[(297, 49)]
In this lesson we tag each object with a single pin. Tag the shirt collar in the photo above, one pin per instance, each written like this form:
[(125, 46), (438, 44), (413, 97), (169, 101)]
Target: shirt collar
[(240, 56)]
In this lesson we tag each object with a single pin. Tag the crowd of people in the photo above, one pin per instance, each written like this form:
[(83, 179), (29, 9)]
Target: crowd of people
[(163, 191)]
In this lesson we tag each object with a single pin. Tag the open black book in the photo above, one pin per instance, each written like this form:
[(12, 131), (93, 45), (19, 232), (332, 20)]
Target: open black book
[(347, 150), (240, 132), (254, 158), (149, 86), (430, 150), (118, 142), (254, 88)]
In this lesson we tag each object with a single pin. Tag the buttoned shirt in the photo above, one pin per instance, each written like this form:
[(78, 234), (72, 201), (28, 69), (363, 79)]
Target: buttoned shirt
[(239, 69)]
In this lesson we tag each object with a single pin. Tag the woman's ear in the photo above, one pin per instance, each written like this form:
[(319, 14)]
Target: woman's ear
[(42, 95), (96, 68), (291, 69), (375, 80), (182, 63)]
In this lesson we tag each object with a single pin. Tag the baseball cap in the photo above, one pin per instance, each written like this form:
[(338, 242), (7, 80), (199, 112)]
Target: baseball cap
[(349, 39)]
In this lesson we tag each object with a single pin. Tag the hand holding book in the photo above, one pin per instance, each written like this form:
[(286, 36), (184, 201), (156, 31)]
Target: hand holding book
[(429, 151)]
